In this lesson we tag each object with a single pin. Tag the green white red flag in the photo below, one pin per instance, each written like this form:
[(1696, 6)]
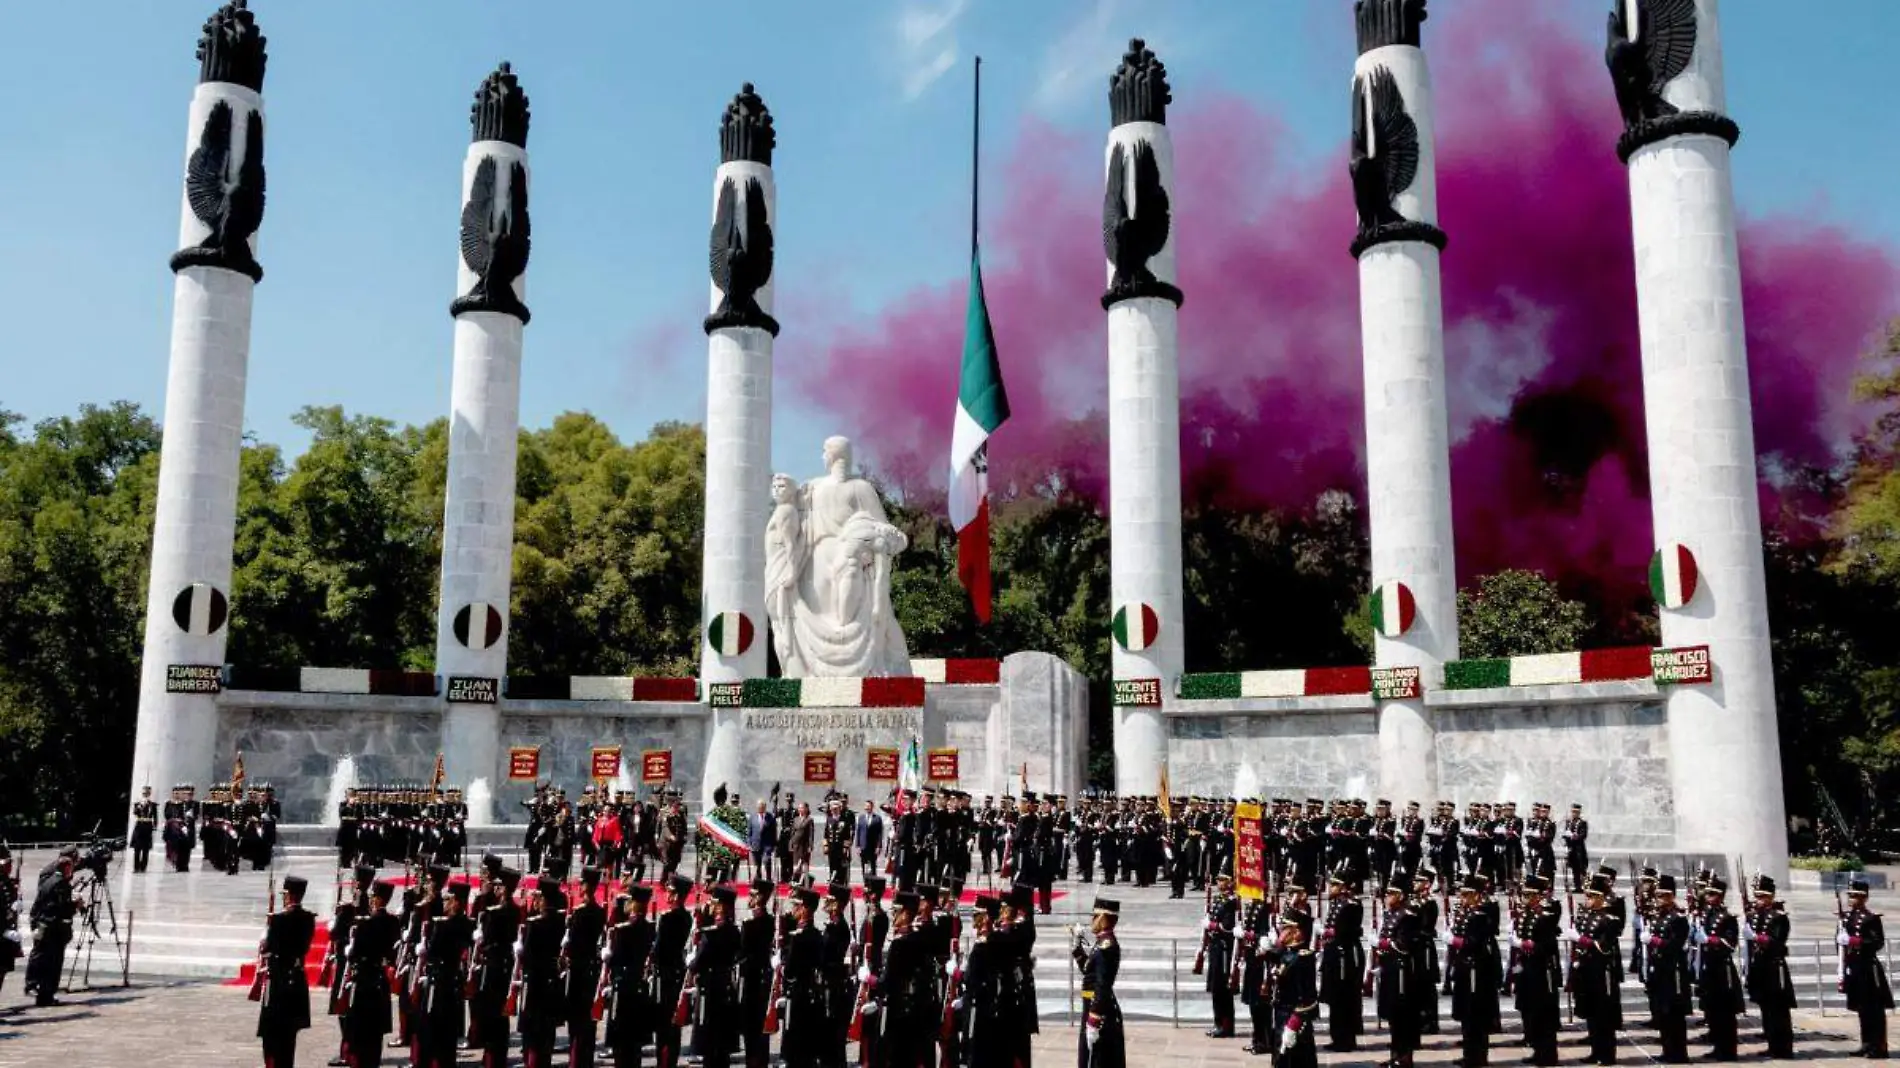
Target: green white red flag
[(982, 406)]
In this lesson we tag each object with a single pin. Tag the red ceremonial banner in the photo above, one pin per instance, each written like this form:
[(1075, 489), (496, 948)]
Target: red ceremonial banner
[(880, 765), (941, 765), (656, 766), (606, 762), (524, 762), (821, 767), (1250, 853)]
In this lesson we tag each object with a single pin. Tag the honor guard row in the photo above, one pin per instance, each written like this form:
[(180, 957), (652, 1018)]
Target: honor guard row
[(235, 823), (401, 824)]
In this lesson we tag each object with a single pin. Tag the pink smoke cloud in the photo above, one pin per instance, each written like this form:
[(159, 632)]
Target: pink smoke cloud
[(1548, 464)]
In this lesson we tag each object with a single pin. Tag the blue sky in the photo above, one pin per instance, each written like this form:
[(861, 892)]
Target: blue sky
[(368, 110)]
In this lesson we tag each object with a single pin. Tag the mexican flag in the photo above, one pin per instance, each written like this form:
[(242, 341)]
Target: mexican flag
[(1672, 576), (1393, 609), (981, 408), (910, 776)]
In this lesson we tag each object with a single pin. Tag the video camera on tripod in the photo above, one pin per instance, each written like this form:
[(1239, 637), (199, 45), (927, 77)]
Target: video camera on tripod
[(95, 853)]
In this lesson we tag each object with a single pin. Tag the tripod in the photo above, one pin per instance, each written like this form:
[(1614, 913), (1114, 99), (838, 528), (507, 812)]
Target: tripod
[(98, 896)]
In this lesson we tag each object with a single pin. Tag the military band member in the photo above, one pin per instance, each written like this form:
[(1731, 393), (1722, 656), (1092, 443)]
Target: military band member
[(1770, 986), (1666, 970), (630, 1006), (1539, 975), (1473, 971), (284, 1004), (369, 958), (1342, 963), (1862, 938), (1596, 970), (1217, 947), (580, 955), (1295, 997)]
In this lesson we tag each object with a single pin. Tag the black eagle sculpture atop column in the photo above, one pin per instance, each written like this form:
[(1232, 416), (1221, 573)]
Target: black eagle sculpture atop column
[(496, 230), (1651, 43), (1388, 22), (1134, 232), (1385, 163), (224, 182), (739, 249)]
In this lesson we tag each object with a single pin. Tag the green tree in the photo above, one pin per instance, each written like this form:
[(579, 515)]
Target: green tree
[(1517, 613), (1867, 524)]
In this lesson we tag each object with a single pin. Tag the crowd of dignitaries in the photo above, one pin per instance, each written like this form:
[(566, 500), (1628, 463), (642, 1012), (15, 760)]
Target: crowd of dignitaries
[(505, 964)]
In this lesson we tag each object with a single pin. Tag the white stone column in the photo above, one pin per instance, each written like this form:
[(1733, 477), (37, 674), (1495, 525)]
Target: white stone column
[(478, 523), (1144, 414), (739, 334), (1408, 455), (187, 604), (1702, 476)]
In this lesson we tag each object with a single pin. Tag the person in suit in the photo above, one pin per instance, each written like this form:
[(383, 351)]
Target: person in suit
[(760, 839), (801, 844), (869, 842), (284, 1004)]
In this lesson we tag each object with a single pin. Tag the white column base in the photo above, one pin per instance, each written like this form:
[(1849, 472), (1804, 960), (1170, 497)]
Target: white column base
[(471, 750), (1141, 749), (1408, 758), (725, 760)]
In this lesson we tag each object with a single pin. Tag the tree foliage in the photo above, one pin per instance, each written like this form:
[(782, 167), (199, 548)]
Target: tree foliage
[(1518, 613)]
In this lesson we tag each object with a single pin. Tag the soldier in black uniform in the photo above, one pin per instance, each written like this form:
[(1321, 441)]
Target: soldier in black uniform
[(805, 1023), (1472, 971), (1862, 938), (758, 938), (539, 1005), (1102, 1043), (144, 828), (630, 1006), (909, 992), (497, 923), (981, 1013), (1382, 846), (1576, 837), (1342, 962), (836, 972), (1666, 970), (715, 967), (1595, 971), (1217, 947), (284, 1003), (671, 932), (1398, 965), (586, 925), (447, 938), (1770, 986), (1295, 996), (369, 956), (1424, 906), (1719, 984), (1539, 975), (1540, 838), (1257, 939), (1411, 839), (180, 833), (335, 966)]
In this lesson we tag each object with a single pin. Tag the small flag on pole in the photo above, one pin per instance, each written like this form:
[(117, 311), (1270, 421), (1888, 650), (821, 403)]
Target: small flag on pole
[(1166, 800)]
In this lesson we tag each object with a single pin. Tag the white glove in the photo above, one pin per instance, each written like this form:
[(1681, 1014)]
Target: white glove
[(1288, 1037), (777, 960), (1092, 1034), (1840, 939), (870, 1008), (957, 1005), (606, 954), (864, 973)]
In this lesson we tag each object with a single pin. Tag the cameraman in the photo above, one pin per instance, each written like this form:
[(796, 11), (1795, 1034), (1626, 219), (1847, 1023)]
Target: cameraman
[(52, 917)]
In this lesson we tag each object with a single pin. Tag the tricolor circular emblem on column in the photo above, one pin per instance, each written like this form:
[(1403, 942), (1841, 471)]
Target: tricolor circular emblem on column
[(200, 609), (1136, 626), (730, 633), (478, 625), (1672, 576), (1394, 609)]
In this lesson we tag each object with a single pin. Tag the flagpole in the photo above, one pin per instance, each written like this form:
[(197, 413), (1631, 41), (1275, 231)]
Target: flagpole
[(976, 136)]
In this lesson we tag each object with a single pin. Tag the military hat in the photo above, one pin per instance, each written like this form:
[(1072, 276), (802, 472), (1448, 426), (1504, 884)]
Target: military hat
[(640, 892), (1536, 884), (1665, 884), (1315, 801), (1029, 795), (365, 875), (1295, 886), (491, 863), (1762, 884), (547, 885), (1295, 919), (1021, 896), (1424, 874), (841, 893), (295, 885), (874, 887), (1339, 876), (590, 875), (1411, 804), (510, 877), (929, 891), (681, 885), (1474, 884), (989, 905), (382, 889), (725, 895), (1576, 806), (1606, 871), (807, 898), (1647, 873), (1108, 906), (1599, 885), (458, 891), (1715, 885), (439, 873), (1857, 888), (762, 890), (906, 900)]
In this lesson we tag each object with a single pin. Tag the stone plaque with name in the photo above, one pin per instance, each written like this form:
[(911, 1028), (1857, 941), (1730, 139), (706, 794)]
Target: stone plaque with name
[(194, 678), (1395, 684), (1138, 693), (725, 694), (1684, 665), (472, 690), (836, 728)]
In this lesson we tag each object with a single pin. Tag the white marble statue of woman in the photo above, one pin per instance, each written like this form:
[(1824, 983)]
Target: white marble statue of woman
[(786, 554)]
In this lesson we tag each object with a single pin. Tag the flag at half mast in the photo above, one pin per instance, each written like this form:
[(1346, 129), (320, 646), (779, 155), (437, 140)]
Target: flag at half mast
[(982, 406)]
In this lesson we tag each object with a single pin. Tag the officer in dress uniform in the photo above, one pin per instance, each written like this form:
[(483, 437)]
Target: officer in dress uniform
[(144, 828), (758, 938), (629, 1007), (1342, 962), (804, 1021), (1425, 907), (1102, 1043), (982, 1016), (1217, 946), (1411, 834), (349, 905), (1472, 957), (1862, 939), (1295, 996), (1719, 985), (715, 966), (496, 926), (1666, 970), (840, 992), (1383, 845), (671, 932), (1019, 937), (284, 1006), (369, 957), (1401, 975), (1576, 839), (1257, 941), (580, 953), (447, 938), (539, 1005), (908, 991), (179, 832), (1595, 967), (1539, 980), (1770, 986)]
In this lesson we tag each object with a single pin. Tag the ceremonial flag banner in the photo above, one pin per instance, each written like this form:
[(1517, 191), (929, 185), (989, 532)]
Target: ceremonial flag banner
[(880, 765), (821, 767), (606, 762), (982, 406), (1250, 853), (656, 766), (943, 765), (1166, 800), (524, 762)]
